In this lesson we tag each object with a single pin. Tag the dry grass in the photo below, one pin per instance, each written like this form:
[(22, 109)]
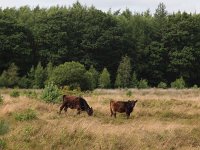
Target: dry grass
[(162, 119)]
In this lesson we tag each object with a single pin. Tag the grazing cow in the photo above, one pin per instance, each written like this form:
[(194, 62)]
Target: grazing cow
[(74, 102), (121, 106)]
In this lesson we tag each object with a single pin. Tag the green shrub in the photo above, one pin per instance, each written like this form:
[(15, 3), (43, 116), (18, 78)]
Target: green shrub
[(1, 99), (31, 94), (2, 144), (104, 79), (51, 93), (39, 76), (129, 93), (24, 82), (3, 127), (178, 83), (15, 93), (66, 90), (195, 86), (123, 78), (9, 77), (26, 115), (162, 85), (95, 76), (134, 81), (70, 74), (143, 84)]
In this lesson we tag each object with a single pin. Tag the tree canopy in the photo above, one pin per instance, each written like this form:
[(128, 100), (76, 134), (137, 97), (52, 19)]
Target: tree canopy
[(161, 47)]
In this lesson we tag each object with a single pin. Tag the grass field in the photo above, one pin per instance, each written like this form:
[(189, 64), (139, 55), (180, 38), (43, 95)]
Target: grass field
[(162, 119)]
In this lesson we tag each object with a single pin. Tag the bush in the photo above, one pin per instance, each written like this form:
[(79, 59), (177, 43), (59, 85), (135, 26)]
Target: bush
[(2, 144), (31, 94), (178, 83), (195, 86), (104, 79), (1, 99), (50, 93), (143, 84), (9, 77), (70, 74), (26, 115), (162, 85), (95, 77), (134, 81), (129, 93), (15, 93), (3, 127), (24, 82), (124, 73), (39, 76)]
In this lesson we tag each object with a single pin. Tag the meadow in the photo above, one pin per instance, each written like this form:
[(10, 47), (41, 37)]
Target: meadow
[(165, 119)]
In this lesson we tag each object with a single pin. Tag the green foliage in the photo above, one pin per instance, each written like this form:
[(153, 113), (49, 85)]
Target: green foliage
[(51, 93), (195, 86), (1, 99), (2, 144), (117, 81), (3, 79), (39, 76), (160, 46), (49, 70), (67, 91), (89, 81), (104, 79), (24, 82), (14, 93), (162, 85), (31, 94), (143, 84), (28, 114), (69, 73), (4, 127), (9, 77), (31, 77), (134, 80), (129, 93), (124, 73), (95, 76), (178, 83)]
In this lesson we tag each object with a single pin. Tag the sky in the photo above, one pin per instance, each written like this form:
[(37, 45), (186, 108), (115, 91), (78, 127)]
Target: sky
[(104, 5)]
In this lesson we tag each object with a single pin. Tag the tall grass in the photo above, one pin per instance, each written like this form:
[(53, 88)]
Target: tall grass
[(162, 119)]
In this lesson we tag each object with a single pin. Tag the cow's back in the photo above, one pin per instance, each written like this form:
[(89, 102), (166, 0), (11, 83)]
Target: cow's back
[(118, 106), (71, 101)]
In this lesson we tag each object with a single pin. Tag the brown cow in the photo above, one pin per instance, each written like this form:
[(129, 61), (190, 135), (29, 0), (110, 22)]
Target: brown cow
[(74, 102), (122, 106)]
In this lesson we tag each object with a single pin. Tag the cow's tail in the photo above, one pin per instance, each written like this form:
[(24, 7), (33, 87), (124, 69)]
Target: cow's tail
[(111, 111), (63, 98)]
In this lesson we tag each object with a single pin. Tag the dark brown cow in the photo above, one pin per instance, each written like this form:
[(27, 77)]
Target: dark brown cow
[(122, 106), (74, 102)]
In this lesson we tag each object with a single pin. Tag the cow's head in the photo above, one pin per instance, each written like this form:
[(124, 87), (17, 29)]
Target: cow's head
[(132, 102), (90, 111)]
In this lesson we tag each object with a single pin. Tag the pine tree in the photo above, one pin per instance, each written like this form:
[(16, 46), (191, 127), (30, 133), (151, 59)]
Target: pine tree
[(124, 73), (104, 79), (39, 76), (95, 76)]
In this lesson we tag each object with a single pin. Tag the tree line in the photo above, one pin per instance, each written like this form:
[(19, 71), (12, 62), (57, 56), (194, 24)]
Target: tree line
[(155, 49)]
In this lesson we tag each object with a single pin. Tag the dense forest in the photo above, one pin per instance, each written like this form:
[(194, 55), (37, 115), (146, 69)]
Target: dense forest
[(159, 47)]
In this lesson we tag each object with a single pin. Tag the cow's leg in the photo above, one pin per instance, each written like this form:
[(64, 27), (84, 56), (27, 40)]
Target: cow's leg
[(61, 107), (78, 111), (128, 115), (115, 114), (111, 112), (65, 109)]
